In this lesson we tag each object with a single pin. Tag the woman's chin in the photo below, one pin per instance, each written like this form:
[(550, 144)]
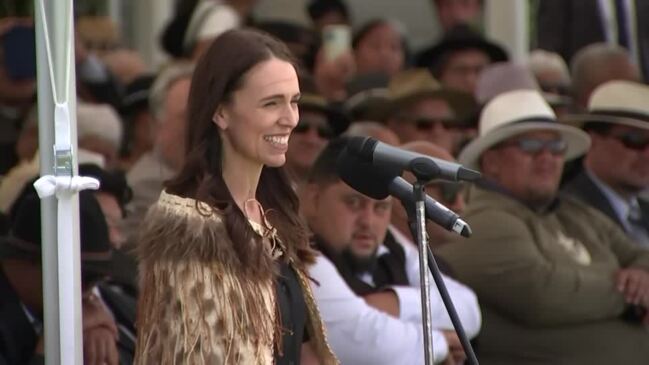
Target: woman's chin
[(275, 161)]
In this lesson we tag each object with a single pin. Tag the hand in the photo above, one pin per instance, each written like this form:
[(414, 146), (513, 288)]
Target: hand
[(455, 350), (95, 314), (645, 319), (99, 347), (40, 346), (634, 285), (330, 76), (449, 360)]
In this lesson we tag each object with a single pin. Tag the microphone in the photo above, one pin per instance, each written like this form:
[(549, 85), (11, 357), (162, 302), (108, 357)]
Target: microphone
[(426, 167), (380, 183)]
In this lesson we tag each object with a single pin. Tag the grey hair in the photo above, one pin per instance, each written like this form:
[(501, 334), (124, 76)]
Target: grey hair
[(163, 82), (589, 62)]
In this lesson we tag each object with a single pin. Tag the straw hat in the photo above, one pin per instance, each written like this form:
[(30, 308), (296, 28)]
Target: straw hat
[(616, 102), (516, 112), (416, 84), (338, 121), (368, 96)]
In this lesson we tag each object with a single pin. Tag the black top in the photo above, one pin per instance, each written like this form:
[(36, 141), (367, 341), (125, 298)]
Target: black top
[(292, 311), (17, 335)]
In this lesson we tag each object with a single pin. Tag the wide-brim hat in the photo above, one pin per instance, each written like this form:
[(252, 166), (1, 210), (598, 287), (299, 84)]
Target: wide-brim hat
[(616, 102), (516, 112), (24, 241), (410, 86), (338, 120), (460, 37), (367, 96)]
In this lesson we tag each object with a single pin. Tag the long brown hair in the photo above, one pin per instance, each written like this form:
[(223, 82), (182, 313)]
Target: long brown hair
[(219, 73)]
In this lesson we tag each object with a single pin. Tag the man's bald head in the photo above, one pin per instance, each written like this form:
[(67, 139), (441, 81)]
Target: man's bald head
[(449, 194), (596, 64)]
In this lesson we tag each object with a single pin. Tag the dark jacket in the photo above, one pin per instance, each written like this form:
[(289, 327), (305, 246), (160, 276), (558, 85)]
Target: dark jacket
[(584, 188), (565, 26), (17, 335), (545, 299)]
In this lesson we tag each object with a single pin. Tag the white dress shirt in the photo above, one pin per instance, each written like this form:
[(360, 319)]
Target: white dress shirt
[(362, 335), (464, 299)]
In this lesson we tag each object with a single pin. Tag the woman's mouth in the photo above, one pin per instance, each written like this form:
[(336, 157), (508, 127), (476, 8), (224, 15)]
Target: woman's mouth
[(277, 141)]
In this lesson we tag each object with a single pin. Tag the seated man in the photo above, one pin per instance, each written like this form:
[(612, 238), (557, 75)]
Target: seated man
[(616, 168), (553, 275), (108, 316), (350, 229), (450, 194)]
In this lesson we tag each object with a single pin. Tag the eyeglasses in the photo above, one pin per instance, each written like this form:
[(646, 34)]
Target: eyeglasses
[(632, 140), (323, 130), (425, 124), (449, 191), (534, 146)]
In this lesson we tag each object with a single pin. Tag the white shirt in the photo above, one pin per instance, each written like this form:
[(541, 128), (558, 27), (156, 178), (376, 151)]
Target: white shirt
[(464, 299), (360, 334)]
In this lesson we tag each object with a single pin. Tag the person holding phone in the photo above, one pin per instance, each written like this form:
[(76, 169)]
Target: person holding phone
[(223, 253), (380, 47)]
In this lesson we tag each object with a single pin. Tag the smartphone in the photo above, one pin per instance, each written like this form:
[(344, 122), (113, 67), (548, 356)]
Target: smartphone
[(336, 40), (19, 52)]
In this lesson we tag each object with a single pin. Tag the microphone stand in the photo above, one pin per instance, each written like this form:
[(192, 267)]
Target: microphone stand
[(419, 233), (417, 224)]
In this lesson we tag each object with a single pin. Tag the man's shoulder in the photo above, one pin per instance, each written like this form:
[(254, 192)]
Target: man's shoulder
[(489, 207)]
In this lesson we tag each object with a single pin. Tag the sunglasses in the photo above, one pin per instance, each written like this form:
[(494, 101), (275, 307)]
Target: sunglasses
[(426, 124), (632, 140), (449, 191), (323, 130), (534, 146)]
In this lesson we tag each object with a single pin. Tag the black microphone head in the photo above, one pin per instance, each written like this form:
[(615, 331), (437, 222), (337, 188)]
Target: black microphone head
[(363, 177), (362, 146), (465, 174)]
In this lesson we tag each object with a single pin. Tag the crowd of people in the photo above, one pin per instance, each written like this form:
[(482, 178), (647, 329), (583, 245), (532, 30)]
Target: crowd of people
[(223, 233)]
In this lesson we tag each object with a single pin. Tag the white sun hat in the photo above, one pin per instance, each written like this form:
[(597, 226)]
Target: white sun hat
[(516, 112), (616, 102)]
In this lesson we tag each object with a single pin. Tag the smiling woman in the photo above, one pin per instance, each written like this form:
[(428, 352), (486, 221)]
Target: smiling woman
[(223, 253)]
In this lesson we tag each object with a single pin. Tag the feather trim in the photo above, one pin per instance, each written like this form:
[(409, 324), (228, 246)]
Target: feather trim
[(195, 307), (314, 324)]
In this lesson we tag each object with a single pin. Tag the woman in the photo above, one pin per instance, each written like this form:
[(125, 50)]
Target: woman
[(379, 47), (223, 253)]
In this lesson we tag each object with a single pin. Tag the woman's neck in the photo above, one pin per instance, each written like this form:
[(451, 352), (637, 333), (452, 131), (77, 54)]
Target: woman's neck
[(242, 176)]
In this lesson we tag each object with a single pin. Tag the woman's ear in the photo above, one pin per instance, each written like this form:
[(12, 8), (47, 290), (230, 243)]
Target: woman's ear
[(220, 118)]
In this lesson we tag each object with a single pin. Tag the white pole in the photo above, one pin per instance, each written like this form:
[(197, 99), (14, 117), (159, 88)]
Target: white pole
[(506, 21), (57, 142)]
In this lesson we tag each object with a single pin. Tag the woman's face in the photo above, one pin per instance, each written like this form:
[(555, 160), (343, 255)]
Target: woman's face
[(381, 50), (256, 124)]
